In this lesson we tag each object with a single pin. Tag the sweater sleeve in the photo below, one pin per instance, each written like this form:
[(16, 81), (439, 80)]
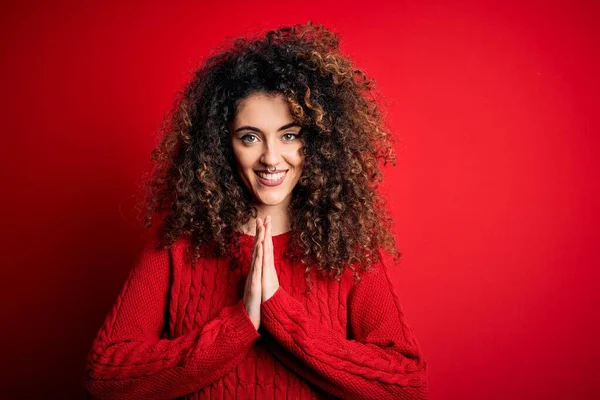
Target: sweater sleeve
[(381, 360), (130, 359)]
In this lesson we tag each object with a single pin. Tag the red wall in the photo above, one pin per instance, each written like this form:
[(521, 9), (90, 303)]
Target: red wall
[(495, 192)]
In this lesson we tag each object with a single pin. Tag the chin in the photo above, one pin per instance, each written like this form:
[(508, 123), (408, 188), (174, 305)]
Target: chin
[(270, 201), (274, 198)]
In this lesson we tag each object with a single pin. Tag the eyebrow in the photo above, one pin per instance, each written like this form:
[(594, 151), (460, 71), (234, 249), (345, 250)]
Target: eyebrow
[(255, 129)]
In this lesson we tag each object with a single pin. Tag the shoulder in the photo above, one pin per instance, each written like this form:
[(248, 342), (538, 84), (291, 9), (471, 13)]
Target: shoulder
[(381, 261), (378, 272), (153, 260)]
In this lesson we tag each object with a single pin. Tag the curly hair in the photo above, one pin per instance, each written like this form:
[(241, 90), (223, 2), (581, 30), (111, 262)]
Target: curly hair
[(338, 219)]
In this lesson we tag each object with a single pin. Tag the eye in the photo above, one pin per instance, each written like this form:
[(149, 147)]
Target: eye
[(295, 135), (243, 138)]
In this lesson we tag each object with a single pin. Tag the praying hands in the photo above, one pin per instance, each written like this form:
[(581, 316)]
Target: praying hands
[(262, 281)]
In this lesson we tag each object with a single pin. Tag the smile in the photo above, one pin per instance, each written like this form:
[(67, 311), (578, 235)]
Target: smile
[(268, 179)]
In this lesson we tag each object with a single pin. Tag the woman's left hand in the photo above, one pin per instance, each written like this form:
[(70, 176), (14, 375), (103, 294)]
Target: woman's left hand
[(270, 282)]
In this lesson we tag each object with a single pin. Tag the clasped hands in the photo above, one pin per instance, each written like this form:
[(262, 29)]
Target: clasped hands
[(262, 281)]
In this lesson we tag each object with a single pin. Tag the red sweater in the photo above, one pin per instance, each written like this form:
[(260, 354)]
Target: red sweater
[(181, 330)]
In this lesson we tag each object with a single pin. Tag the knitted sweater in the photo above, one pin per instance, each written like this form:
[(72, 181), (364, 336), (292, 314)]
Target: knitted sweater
[(181, 330)]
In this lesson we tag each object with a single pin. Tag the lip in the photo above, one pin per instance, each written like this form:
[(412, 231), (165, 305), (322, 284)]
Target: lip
[(270, 172), (266, 182)]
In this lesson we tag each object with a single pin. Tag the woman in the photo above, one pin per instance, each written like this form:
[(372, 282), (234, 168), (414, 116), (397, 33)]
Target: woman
[(267, 278)]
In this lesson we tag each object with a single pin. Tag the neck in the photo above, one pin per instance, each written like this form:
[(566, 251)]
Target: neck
[(280, 219)]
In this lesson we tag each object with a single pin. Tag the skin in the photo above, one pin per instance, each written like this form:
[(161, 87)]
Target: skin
[(263, 134), (262, 281), (258, 141)]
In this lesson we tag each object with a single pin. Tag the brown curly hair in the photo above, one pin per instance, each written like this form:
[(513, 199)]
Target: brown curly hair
[(338, 219)]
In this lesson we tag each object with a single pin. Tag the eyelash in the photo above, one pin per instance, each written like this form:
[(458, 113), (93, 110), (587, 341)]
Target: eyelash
[(251, 135)]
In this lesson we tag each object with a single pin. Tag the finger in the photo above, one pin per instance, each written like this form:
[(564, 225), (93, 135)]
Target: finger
[(257, 236), (259, 258), (261, 236), (262, 226), (267, 277), (257, 274), (269, 236), (270, 255), (258, 225), (255, 248), (269, 241)]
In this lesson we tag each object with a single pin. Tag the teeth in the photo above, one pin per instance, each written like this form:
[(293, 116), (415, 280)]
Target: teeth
[(271, 177)]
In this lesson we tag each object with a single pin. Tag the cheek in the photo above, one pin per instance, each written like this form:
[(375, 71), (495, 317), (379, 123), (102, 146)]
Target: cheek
[(243, 158), (296, 158)]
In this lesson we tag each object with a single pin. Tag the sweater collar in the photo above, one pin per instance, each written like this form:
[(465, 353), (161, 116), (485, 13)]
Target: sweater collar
[(278, 240)]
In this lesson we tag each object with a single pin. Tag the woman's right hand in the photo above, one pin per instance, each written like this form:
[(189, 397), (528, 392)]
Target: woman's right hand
[(253, 289)]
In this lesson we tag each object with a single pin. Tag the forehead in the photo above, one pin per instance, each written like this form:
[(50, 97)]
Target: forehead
[(262, 110)]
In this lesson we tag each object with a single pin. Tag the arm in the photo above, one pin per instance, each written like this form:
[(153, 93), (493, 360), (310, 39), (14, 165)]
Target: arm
[(129, 358), (382, 360)]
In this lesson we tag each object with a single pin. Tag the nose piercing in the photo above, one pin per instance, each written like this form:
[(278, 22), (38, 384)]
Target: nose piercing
[(271, 170)]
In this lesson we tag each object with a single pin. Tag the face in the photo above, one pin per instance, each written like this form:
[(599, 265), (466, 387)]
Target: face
[(263, 134)]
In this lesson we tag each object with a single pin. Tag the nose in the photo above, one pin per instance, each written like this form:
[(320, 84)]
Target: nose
[(271, 154)]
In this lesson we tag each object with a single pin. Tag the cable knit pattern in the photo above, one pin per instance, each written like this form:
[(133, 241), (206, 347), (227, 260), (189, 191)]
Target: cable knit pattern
[(181, 331)]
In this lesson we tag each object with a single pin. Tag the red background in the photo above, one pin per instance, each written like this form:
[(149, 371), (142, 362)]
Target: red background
[(494, 195)]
